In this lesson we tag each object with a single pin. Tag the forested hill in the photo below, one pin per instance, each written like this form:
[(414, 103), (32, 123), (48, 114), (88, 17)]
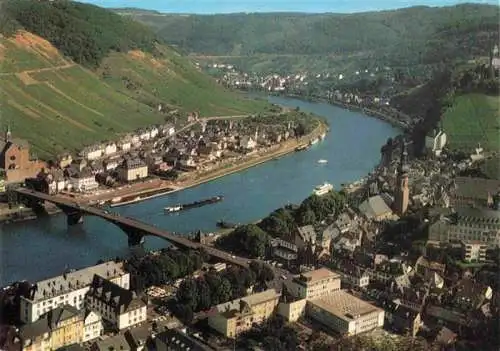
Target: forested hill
[(398, 35), (73, 74)]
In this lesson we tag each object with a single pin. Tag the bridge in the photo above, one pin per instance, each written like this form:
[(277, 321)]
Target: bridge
[(136, 230)]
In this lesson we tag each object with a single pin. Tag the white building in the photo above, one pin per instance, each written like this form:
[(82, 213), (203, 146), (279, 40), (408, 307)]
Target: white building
[(153, 132), (92, 326), (315, 284), (117, 305), (248, 143), (125, 144), (110, 148), (93, 152), (345, 313), (144, 134), (68, 289), (168, 130), (83, 181), (436, 142)]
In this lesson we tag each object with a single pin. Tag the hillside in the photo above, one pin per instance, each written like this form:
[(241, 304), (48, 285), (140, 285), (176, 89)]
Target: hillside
[(103, 76), (418, 35)]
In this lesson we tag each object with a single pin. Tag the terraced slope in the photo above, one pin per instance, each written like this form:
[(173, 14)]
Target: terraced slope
[(58, 105)]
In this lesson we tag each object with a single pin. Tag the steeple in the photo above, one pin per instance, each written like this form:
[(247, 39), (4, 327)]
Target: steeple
[(403, 160), (8, 134)]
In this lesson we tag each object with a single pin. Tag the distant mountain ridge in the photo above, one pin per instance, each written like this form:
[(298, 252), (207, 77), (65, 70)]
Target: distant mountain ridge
[(396, 36)]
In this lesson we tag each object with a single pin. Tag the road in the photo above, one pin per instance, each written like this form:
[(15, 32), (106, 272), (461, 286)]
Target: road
[(135, 225)]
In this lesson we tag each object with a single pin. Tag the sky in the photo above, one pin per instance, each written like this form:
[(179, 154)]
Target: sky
[(311, 6)]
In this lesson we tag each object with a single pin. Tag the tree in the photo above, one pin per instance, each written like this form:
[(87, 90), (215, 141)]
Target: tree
[(187, 293), (204, 295), (184, 313)]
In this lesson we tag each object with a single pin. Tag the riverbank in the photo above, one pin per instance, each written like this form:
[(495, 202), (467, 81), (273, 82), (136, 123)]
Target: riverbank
[(142, 191), (396, 122)]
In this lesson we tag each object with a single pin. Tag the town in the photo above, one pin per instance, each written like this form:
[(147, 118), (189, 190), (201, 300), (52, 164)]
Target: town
[(398, 247), (410, 250)]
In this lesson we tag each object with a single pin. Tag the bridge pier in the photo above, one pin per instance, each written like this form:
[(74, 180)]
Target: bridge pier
[(135, 239), (74, 218)]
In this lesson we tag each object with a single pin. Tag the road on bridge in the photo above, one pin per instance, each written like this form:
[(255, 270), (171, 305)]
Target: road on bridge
[(145, 228)]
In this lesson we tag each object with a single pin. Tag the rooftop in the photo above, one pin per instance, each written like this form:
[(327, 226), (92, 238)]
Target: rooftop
[(119, 299), (230, 309), (344, 305), (317, 275), (48, 288), (374, 207), (477, 188)]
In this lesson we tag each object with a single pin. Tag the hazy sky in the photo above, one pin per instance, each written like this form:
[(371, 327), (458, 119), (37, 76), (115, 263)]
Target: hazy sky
[(227, 6)]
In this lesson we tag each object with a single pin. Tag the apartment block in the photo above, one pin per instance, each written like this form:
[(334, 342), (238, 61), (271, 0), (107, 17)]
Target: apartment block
[(68, 289), (119, 306), (315, 284), (237, 316)]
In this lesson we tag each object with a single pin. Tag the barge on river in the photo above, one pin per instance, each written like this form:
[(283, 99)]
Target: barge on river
[(178, 208)]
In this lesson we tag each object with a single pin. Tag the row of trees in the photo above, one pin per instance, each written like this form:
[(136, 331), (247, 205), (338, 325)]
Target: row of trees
[(85, 33), (252, 239), (165, 267), (214, 288)]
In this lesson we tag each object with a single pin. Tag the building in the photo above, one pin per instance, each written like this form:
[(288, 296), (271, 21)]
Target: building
[(474, 251), (68, 289), (232, 318), (476, 225), (92, 326), (436, 142), (57, 328), (354, 275), (247, 143), (93, 152), (64, 160), (132, 169), (345, 314), (138, 337), (174, 339), (16, 161), (477, 192), (114, 343), (402, 318), (375, 208), (314, 284), (402, 191), (83, 181), (121, 307)]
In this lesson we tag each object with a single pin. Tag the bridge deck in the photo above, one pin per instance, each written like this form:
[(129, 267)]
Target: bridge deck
[(136, 224)]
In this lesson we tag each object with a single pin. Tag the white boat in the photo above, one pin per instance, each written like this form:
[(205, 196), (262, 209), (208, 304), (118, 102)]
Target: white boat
[(173, 208), (322, 161), (323, 189)]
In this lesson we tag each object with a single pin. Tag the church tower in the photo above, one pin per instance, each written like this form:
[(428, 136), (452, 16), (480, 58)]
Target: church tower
[(402, 191)]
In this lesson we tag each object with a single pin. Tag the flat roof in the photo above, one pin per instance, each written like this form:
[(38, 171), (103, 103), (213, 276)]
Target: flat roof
[(344, 305), (317, 275)]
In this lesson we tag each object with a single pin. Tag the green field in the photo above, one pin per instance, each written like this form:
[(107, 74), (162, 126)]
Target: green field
[(473, 119), (63, 109)]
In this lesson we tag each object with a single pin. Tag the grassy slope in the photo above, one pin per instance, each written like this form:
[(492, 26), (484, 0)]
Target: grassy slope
[(472, 119), (64, 109)]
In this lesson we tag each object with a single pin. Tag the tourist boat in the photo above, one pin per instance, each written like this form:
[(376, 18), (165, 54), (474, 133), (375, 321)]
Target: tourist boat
[(323, 189), (173, 208), (322, 161)]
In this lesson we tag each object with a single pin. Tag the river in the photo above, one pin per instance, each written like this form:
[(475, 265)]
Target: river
[(42, 248)]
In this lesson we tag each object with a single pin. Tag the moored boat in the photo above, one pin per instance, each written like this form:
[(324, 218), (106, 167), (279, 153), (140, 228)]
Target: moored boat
[(323, 189)]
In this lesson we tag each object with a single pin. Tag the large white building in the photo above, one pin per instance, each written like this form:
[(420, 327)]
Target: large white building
[(345, 313), (315, 284), (92, 326), (68, 289), (117, 305)]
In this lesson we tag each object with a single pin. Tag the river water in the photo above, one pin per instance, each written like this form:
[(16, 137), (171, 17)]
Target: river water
[(42, 248)]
